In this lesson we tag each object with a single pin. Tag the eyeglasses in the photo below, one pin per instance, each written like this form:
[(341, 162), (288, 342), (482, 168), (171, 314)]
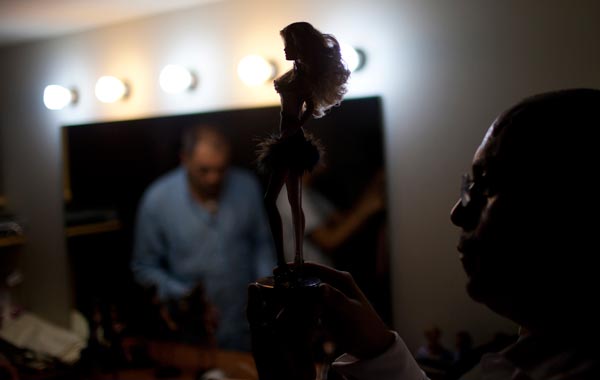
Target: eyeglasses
[(479, 188), (465, 189)]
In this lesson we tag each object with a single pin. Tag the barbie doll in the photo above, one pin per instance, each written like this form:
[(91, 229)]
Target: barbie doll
[(316, 83)]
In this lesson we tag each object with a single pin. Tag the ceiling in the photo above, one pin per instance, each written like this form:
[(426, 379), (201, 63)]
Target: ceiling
[(28, 20)]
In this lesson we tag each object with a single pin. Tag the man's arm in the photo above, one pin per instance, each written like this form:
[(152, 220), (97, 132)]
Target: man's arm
[(340, 227)]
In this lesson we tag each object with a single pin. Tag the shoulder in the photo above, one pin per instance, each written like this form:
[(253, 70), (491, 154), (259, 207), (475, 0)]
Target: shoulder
[(244, 186), (292, 81), (164, 187), (284, 82), (243, 177)]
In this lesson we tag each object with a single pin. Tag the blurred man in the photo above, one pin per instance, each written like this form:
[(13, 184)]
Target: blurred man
[(527, 246), (203, 224)]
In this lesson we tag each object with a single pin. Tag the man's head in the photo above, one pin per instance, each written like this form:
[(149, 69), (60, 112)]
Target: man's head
[(527, 241), (205, 156), (433, 336)]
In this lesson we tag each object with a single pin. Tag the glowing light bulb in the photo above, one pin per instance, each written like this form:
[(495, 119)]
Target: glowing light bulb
[(110, 89), (354, 58), (254, 70), (174, 79), (58, 97)]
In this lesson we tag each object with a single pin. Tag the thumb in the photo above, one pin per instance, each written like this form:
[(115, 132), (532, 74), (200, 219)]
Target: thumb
[(340, 314), (354, 325), (335, 302)]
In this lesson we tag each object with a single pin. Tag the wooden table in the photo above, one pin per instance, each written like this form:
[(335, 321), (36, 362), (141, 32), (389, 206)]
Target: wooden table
[(190, 360)]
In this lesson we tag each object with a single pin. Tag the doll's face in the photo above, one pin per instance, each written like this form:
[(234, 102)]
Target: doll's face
[(291, 50)]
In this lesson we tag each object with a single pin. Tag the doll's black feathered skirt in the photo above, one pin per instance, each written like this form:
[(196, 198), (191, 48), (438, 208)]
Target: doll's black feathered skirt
[(299, 153)]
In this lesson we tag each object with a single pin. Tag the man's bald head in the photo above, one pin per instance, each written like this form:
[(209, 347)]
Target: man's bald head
[(205, 155), (205, 134)]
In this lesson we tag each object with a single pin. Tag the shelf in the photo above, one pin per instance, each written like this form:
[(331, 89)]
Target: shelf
[(9, 241), (93, 228)]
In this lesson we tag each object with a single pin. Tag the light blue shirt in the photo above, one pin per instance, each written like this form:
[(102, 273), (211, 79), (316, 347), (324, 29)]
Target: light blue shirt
[(179, 243)]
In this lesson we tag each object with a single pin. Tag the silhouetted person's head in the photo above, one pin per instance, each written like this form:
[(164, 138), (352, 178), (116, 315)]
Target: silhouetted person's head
[(205, 156), (433, 336), (529, 217)]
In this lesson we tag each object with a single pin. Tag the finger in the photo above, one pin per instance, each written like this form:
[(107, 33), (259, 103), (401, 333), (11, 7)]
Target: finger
[(354, 325), (338, 314), (335, 303), (340, 280), (340, 309), (325, 271), (310, 268)]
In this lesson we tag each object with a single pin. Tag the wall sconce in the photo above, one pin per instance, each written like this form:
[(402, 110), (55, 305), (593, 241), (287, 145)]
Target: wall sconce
[(110, 89), (254, 70), (355, 58), (58, 97), (175, 79)]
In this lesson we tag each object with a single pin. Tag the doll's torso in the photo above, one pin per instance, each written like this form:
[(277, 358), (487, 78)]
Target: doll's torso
[(294, 92)]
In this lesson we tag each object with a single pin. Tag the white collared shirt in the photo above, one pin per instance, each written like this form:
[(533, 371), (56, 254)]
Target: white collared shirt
[(531, 358)]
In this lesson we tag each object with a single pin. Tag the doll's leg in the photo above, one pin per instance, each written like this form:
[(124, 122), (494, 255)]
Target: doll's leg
[(275, 184), (293, 184)]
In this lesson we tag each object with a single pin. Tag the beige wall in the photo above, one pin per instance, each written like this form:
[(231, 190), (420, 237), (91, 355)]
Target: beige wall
[(444, 70)]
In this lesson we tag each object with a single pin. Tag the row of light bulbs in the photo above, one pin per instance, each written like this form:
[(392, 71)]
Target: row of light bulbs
[(253, 70)]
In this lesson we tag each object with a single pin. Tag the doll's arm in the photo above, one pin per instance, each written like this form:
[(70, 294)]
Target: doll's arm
[(310, 107)]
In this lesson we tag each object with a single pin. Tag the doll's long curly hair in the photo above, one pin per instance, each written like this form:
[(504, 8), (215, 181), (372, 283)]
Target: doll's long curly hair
[(319, 66)]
